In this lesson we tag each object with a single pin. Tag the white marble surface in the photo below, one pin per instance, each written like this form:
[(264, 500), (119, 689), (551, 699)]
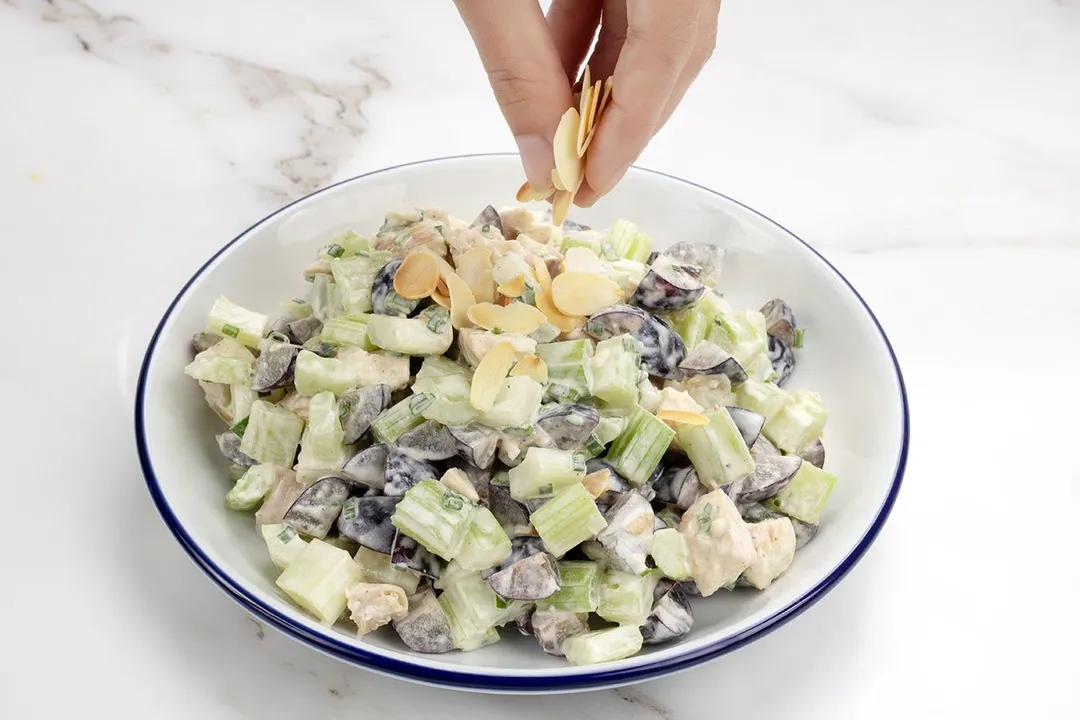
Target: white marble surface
[(928, 147)]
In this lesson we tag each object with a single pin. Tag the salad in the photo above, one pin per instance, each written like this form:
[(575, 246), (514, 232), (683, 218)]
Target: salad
[(464, 426)]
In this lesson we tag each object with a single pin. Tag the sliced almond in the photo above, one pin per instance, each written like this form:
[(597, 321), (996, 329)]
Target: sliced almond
[(532, 367), (598, 483), (588, 118), (567, 163), (514, 288), (474, 266), (562, 322), (517, 318), (526, 193), (594, 105), (584, 293), (556, 181), (560, 206), (583, 102), (604, 99), (441, 299), (489, 376), (417, 277), (461, 299), (543, 276), (682, 417)]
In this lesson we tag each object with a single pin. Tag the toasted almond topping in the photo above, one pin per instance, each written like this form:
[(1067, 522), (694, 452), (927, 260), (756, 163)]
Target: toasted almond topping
[(517, 317), (583, 101), (489, 376), (474, 266), (556, 181), (455, 479), (604, 99), (584, 293), (560, 206), (567, 163), (533, 367), (563, 323), (441, 299), (682, 417), (594, 105), (513, 288), (526, 193), (543, 276), (417, 277), (588, 118), (598, 483), (461, 299)]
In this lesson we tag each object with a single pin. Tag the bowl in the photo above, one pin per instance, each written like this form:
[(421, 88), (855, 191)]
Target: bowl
[(847, 359)]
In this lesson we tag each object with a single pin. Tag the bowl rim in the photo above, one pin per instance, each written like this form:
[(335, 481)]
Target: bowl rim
[(464, 679)]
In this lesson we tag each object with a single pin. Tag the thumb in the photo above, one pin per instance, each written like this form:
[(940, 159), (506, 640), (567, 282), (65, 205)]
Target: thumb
[(526, 73)]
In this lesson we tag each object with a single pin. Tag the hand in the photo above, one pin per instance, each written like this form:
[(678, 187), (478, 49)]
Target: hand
[(653, 49)]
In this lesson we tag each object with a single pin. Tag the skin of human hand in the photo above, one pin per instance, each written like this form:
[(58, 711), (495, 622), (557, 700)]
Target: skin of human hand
[(652, 49)]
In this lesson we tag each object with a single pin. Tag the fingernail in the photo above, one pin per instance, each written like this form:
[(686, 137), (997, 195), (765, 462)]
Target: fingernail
[(537, 156)]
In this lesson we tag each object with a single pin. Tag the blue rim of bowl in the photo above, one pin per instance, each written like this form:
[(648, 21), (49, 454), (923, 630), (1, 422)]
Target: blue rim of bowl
[(480, 681)]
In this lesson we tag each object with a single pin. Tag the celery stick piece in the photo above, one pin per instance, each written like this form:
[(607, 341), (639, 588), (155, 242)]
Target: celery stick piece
[(628, 241), (742, 334), (602, 645), (625, 598), (568, 519), (252, 487), (347, 331), (763, 398), (314, 374), (486, 544), (397, 420), (244, 326), (434, 516), (354, 277), (515, 405), (272, 434), (318, 578), (211, 367), (569, 365), (799, 423), (579, 589), (669, 552), (375, 567), (638, 450), (324, 298), (323, 442), (544, 472), (284, 544), (805, 497), (615, 368), (717, 450)]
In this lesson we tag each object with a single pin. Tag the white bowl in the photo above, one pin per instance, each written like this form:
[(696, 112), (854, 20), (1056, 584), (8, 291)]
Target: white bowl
[(847, 359)]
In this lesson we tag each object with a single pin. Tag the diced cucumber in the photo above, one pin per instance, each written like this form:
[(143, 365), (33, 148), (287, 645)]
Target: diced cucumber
[(545, 472), (252, 487), (284, 544), (805, 497), (272, 434), (231, 320), (377, 568), (579, 587), (399, 419), (515, 405), (628, 241), (615, 369), (602, 645), (625, 598), (429, 333), (434, 516), (717, 450), (567, 520), (761, 397), (323, 442), (800, 422), (638, 450), (318, 578), (486, 543), (354, 277), (669, 552), (569, 365)]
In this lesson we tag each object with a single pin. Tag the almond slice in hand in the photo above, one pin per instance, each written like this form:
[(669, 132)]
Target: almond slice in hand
[(474, 266), (488, 379), (417, 276), (543, 276), (562, 322), (584, 100), (513, 288), (584, 293), (532, 367), (556, 181), (461, 299), (526, 193), (604, 99), (517, 318), (560, 206), (682, 417), (567, 162), (598, 483), (588, 119)]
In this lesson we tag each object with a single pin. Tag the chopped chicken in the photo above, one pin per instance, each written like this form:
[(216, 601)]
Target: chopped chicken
[(373, 605)]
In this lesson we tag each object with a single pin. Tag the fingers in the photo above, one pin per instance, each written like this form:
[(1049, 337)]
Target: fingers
[(701, 54), (611, 40), (573, 24), (526, 74), (660, 39)]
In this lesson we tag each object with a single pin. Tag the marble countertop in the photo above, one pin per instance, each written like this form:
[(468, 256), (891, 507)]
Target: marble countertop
[(929, 148)]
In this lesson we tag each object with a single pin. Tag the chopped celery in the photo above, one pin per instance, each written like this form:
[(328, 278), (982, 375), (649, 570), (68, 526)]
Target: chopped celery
[(323, 442), (252, 487), (638, 450), (717, 450), (579, 587), (486, 543), (231, 320), (625, 598), (612, 422), (615, 369), (351, 242), (284, 544), (629, 242), (800, 422), (347, 331), (209, 366), (669, 552), (272, 434), (434, 516), (399, 419), (567, 520), (324, 298), (314, 374), (354, 277), (412, 336), (318, 578), (742, 334), (545, 472), (590, 239), (295, 308), (375, 567), (761, 397), (515, 405), (569, 365), (441, 374), (693, 323), (375, 368), (463, 626), (473, 608), (761, 368), (602, 645), (805, 497)]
